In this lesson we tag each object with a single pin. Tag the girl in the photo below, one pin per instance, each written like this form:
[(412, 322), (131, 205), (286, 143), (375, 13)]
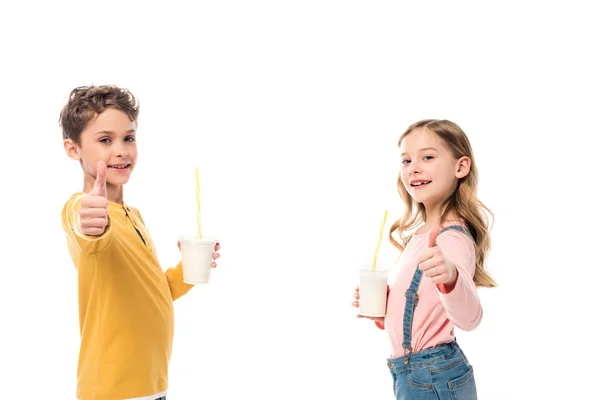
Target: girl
[(433, 287)]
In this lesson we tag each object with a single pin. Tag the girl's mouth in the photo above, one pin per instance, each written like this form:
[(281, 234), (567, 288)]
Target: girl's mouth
[(418, 184)]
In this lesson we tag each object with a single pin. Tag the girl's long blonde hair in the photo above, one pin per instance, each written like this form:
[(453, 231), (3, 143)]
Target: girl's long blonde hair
[(463, 201)]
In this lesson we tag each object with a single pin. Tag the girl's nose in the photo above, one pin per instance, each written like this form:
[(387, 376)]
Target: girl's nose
[(414, 167)]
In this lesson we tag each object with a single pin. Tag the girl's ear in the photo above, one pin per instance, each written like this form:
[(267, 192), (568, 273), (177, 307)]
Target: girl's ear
[(71, 149), (463, 166)]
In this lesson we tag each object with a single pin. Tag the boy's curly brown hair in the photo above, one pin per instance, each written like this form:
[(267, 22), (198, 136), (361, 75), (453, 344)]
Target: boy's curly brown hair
[(85, 102)]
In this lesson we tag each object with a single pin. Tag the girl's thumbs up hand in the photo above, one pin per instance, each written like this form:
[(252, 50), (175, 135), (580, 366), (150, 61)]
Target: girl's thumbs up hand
[(435, 265)]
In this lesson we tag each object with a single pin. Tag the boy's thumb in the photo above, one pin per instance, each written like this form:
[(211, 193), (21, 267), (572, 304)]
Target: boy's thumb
[(100, 184)]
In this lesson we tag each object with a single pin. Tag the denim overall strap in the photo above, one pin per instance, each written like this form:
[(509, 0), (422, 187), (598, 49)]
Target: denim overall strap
[(412, 298), (457, 228)]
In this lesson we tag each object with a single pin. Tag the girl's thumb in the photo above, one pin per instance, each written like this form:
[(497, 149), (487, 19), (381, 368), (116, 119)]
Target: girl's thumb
[(432, 236)]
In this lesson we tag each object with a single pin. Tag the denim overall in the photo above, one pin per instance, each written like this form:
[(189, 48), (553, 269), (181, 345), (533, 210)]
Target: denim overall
[(438, 373)]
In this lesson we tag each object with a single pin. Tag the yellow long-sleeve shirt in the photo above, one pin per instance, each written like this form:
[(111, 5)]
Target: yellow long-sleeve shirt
[(125, 306)]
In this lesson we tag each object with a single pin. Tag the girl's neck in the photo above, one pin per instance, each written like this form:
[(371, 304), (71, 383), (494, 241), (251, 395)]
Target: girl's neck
[(433, 216)]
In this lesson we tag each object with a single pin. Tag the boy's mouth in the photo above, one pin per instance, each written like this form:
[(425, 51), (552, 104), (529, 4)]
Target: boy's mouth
[(120, 166)]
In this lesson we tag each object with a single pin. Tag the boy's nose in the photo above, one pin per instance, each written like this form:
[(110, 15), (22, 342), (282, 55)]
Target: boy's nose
[(121, 151)]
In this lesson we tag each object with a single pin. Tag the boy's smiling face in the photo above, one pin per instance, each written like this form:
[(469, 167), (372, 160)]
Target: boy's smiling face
[(110, 137)]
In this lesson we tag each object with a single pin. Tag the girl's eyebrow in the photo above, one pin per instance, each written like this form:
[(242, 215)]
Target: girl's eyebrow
[(422, 150)]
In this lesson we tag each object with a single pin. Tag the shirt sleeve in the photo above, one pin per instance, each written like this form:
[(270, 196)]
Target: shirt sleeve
[(87, 244), (462, 303), (176, 284)]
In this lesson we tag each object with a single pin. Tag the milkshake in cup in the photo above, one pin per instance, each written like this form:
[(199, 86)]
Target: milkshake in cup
[(372, 285), (373, 292), (196, 257)]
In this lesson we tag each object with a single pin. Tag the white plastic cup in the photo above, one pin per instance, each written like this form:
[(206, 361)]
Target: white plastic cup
[(373, 293), (196, 257)]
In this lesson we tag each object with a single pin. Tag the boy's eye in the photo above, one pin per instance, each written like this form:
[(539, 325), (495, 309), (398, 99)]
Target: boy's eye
[(105, 140)]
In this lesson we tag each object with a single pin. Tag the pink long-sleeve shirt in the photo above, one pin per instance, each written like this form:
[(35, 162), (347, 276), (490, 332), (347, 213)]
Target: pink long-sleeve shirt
[(436, 313)]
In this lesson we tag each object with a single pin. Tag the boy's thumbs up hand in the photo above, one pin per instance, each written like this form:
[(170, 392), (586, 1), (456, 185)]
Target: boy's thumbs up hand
[(100, 185), (435, 265), (93, 210)]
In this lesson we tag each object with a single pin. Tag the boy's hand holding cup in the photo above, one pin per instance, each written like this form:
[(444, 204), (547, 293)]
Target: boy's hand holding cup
[(198, 257)]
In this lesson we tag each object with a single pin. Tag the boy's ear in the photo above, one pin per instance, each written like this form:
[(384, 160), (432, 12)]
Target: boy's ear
[(463, 167), (71, 149)]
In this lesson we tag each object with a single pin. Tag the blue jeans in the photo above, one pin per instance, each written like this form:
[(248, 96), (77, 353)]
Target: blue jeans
[(442, 372)]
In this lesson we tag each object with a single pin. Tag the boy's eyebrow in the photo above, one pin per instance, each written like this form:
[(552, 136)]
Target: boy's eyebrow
[(423, 149), (104, 132)]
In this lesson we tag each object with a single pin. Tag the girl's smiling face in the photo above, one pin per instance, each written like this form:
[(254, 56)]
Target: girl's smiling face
[(429, 171)]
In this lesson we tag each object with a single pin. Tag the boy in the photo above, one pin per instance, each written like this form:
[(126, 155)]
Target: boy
[(125, 298)]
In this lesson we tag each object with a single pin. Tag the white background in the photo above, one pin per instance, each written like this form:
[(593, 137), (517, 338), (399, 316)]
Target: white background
[(292, 110)]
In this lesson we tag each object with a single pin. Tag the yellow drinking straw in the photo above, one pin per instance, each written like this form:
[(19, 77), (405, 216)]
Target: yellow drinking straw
[(198, 202), (379, 242)]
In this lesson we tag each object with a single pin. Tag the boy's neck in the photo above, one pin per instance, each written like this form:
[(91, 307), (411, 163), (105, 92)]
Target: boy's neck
[(115, 193)]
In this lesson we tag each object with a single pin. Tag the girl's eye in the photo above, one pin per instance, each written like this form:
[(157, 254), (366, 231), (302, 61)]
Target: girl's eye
[(130, 139), (405, 162), (427, 158), (105, 140)]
